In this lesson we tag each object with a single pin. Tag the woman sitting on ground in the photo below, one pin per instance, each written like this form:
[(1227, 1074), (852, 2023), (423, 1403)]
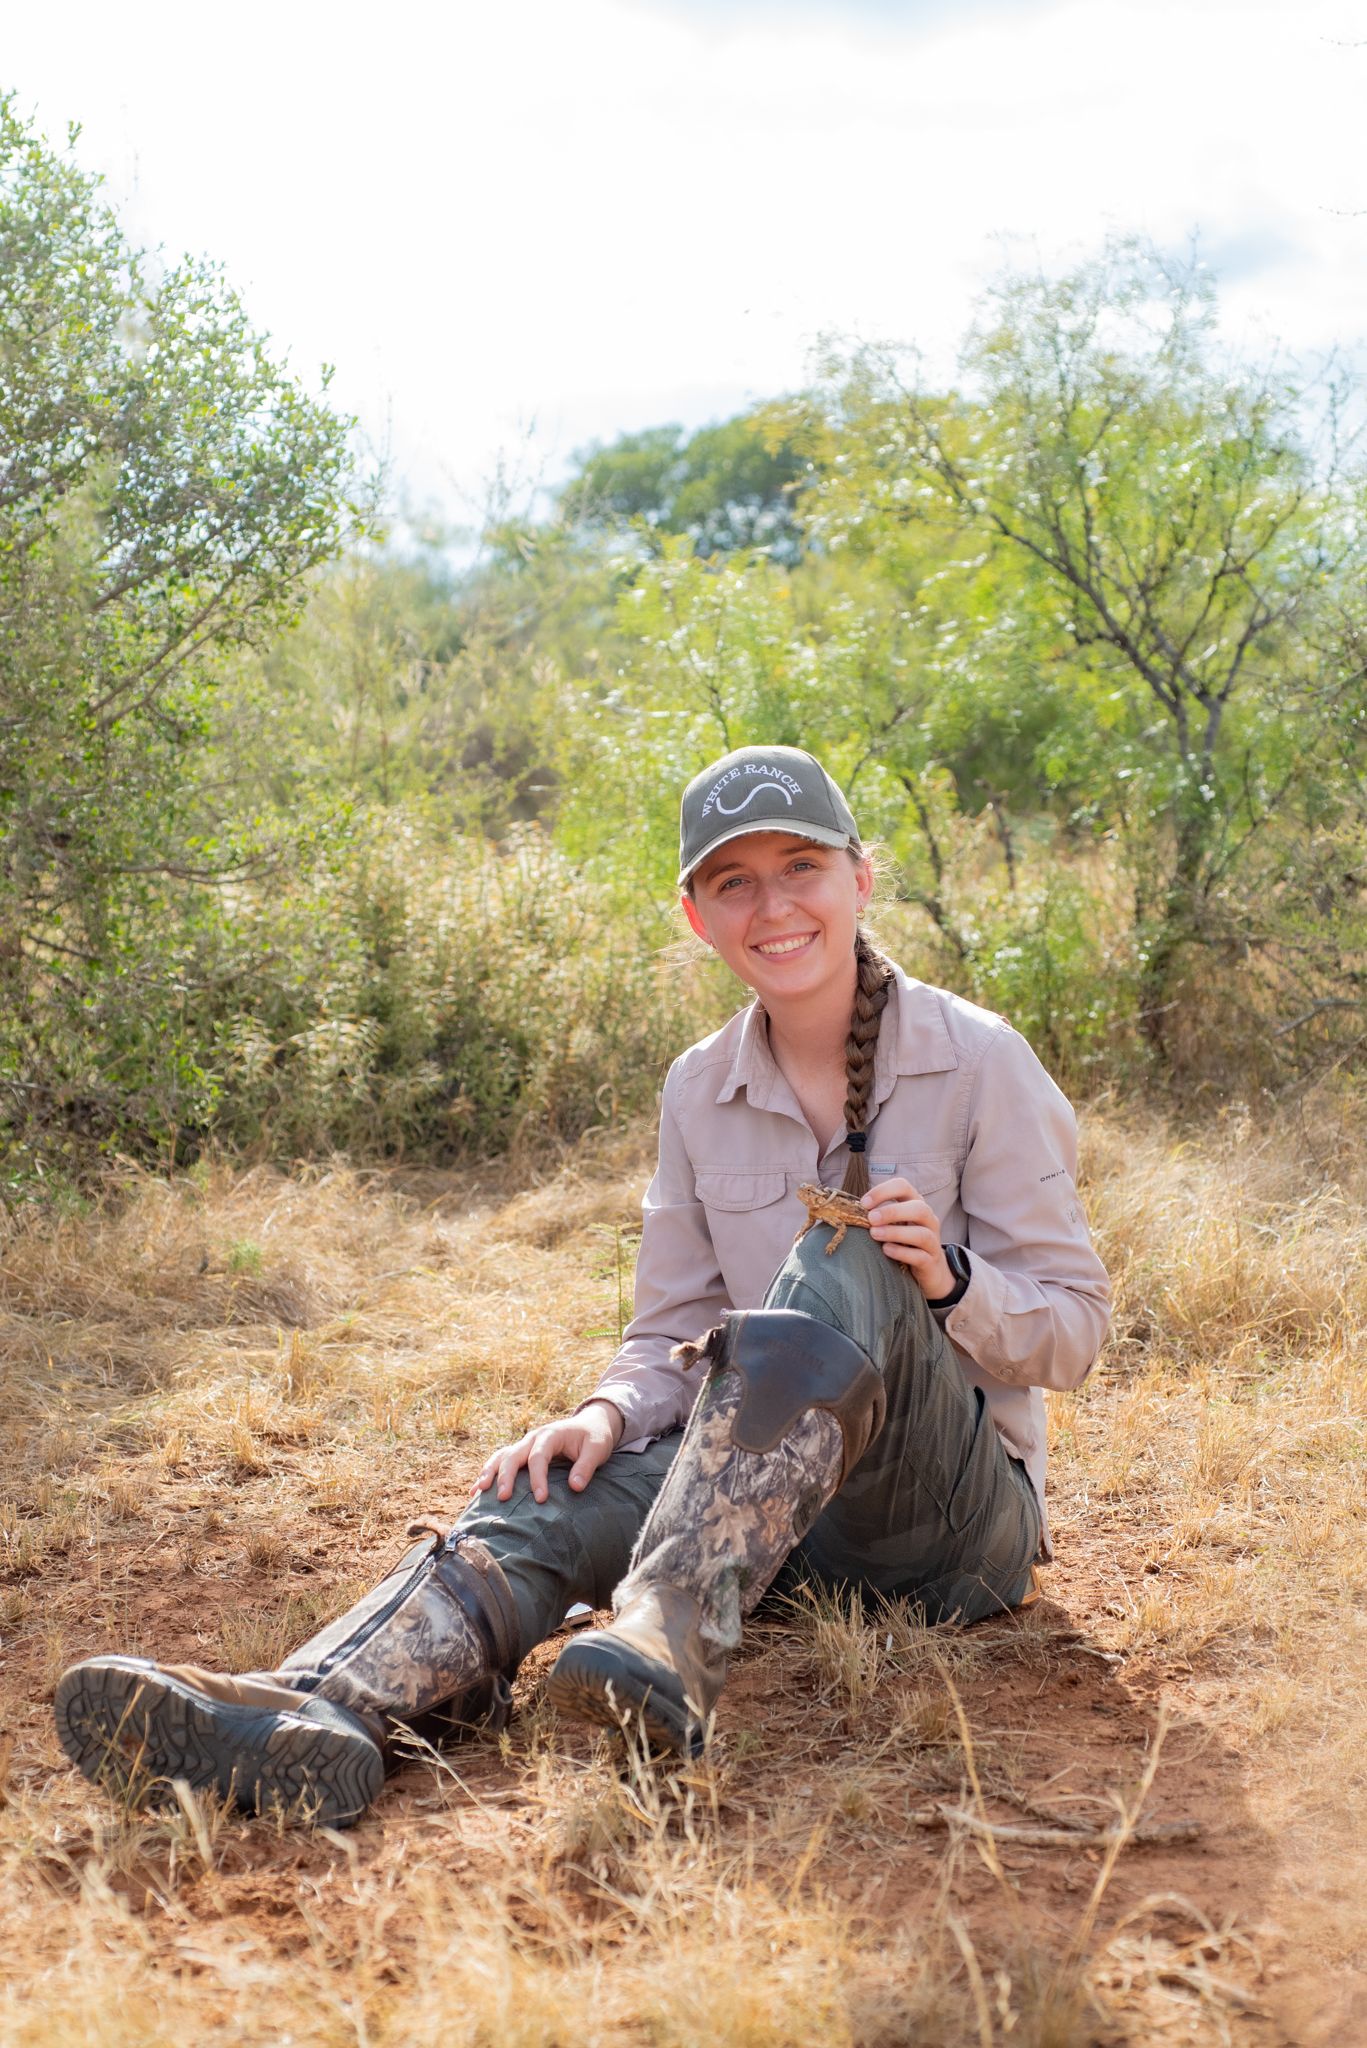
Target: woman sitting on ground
[(867, 1413)]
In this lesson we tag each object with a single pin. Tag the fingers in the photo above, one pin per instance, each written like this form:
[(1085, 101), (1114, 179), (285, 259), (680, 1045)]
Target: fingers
[(586, 1464), (553, 1440), (909, 1209), (504, 1466), (537, 1465), (909, 1231), (509, 1464), (511, 1458), (922, 1250), (895, 1188), (586, 1440), (537, 1450)]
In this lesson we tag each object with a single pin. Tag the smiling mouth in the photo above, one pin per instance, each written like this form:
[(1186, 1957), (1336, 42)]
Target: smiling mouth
[(773, 949)]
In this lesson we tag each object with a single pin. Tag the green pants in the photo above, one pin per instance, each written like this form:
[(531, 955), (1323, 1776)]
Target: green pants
[(936, 1511)]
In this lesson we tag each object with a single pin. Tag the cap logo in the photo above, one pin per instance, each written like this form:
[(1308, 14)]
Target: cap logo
[(733, 810), (768, 778)]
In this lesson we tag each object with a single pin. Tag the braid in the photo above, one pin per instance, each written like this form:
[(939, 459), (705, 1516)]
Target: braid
[(873, 979)]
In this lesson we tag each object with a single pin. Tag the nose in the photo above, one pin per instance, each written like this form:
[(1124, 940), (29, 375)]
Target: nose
[(774, 903)]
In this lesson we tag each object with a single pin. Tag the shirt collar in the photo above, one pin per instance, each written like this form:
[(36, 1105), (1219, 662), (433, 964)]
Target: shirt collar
[(913, 1039), (753, 1066)]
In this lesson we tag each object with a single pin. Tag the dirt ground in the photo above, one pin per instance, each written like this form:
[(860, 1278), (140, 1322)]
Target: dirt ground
[(1132, 1812)]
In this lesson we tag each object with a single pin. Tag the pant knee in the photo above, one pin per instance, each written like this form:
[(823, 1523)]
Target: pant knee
[(538, 1552), (569, 1547), (858, 1290), (518, 1517)]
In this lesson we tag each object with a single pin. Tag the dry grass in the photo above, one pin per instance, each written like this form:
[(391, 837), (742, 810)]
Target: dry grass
[(226, 1396)]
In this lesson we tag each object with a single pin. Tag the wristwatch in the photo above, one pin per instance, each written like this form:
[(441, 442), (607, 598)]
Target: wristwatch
[(956, 1258)]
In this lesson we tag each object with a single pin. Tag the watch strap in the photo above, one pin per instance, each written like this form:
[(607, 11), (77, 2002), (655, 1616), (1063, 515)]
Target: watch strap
[(956, 1258)]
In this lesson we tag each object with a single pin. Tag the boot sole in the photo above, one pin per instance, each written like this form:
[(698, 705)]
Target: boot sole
[(129, 1728), (608, 1684)]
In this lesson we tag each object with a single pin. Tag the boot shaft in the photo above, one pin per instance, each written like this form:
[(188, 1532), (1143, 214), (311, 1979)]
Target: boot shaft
[(437, 1637), (789, 1405)]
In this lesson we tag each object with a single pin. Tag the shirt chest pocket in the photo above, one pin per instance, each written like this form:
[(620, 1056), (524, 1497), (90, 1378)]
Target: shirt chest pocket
[(738, 1193), (934, 1175)]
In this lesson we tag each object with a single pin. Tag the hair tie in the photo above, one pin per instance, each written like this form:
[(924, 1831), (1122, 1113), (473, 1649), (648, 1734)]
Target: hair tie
[(857, 1140)]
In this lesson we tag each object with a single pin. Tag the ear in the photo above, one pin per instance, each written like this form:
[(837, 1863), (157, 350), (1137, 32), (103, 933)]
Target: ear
[(863, 881), (694, 916)]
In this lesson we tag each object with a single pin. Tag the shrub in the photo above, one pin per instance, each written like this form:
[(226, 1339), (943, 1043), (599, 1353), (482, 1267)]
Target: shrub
[(427, 998), (405, 995)]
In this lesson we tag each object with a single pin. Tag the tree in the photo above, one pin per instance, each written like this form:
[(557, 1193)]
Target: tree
[(166, 490), (408, 679), (1169, 520), (726, 487)]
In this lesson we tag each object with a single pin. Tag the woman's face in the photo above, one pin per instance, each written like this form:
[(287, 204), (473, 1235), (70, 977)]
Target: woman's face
[(781, 912)]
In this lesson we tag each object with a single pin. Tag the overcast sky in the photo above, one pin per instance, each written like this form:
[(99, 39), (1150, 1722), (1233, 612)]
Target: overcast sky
[(516, 227)]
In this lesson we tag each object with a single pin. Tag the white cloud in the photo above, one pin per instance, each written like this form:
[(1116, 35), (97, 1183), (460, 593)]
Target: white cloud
[(607, 214)]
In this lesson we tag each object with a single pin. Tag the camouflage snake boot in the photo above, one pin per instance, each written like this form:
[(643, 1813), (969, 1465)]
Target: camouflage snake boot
[(431, 1649), (789, 1407)]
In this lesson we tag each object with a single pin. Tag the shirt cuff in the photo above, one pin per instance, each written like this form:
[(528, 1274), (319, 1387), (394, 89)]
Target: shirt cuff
[(973, 1323), (627, 1401)]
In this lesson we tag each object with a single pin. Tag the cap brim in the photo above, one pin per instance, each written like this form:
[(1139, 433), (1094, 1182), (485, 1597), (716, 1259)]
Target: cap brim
[(820, 835)]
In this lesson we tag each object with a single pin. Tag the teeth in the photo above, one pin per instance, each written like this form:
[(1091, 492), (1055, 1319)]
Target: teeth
[(784, 945)]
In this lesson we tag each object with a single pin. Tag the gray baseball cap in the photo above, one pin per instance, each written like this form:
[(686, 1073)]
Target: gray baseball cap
[(761, 789)]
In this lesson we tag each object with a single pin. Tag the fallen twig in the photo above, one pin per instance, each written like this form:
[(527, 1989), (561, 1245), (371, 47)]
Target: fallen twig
[(1050, 1838)]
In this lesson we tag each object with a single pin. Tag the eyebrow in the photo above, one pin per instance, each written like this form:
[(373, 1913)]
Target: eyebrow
[(795, 845)]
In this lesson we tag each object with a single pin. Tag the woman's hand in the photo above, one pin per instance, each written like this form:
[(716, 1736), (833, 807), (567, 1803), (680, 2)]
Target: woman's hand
[(909, 1231), (586, 1439)]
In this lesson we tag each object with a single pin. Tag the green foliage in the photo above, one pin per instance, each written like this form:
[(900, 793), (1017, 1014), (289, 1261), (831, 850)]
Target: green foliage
[(1051, 956), (411, 996), (1111, 591), (1179, 558), (406, 679), (419, 998), (726, 487), (384, 692), (378, 853), (718, 656), (165, 492), (401, 995)]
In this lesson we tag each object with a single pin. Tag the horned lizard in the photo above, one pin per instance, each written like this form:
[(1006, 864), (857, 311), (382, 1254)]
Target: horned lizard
[(829, 1205)]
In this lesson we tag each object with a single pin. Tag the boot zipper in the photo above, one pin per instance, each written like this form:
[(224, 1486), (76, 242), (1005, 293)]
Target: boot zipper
[(351, 1643)]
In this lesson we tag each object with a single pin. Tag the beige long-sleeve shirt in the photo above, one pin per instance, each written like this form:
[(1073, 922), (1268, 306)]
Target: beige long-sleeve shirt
[(966, 1112)]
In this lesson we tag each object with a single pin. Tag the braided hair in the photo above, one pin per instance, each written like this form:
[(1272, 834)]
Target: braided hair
[(873, 979)]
